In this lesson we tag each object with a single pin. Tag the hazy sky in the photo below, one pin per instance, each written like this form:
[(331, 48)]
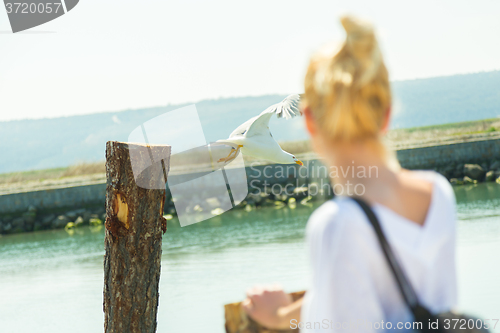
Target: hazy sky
[(112, 55)]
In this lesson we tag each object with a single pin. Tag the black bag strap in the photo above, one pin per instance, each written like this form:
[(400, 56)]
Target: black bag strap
[(409, 294)]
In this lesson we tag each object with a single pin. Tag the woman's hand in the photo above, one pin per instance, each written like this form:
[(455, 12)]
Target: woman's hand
[(268, 306)]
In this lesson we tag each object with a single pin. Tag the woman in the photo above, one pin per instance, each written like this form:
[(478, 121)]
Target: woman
[(347, 110)]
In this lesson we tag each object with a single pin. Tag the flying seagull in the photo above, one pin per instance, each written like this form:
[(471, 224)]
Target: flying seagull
[(254, 138)]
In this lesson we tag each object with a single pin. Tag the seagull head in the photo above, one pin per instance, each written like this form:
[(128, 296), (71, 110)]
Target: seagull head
[(296, 161), (285, 158)]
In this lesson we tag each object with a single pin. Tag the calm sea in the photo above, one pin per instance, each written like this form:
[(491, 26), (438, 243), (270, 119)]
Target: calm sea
[(52, 281)]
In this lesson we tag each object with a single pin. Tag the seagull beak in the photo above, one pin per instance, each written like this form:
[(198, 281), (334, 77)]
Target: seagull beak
[(299, 162)]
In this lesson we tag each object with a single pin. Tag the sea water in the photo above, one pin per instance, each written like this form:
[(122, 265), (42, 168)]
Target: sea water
[(52, 281)]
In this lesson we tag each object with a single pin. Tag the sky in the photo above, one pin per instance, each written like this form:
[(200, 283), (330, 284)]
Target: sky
[(114, 55)]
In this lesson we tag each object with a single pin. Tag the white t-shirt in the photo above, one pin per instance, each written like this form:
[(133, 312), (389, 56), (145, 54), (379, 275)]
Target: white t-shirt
[(352, 287)]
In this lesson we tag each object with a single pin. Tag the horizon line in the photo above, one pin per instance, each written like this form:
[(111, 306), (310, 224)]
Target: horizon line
[(221, 97)]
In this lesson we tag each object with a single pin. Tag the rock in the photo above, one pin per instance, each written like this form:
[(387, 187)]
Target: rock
[(213, 202), (301, 190), (167, 206), (95, 221), (217, 211), (47, 221), (495, 165), (485, 166), (313, 189), (79, 221), (474, 171), (7, 228), (447, 172), (267, 190), (279, 204), (29, 217), (29, 226), (18, 224), (468, 180), (249, 202), (454, 181), (60, 222), (281, 197), (305, 201), (72, 215), (256, 198), (266, 202), (86, 215), (449, 168), (37, 226), (490, 176), (69, 226), (458, 171), (80, 211)]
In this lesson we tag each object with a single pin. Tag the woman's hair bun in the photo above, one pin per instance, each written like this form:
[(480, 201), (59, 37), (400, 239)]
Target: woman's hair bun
[(348, 89), (361, 44)]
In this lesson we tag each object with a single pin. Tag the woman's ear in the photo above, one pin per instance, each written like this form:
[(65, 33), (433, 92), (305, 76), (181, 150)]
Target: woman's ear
[(310, 124), (387, 121)]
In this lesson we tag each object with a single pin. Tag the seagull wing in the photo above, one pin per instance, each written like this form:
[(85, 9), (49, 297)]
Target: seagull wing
[(287, 108), (243, 128)]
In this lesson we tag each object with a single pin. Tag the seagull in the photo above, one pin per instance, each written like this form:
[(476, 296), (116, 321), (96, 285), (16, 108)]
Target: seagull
[(254, 138)]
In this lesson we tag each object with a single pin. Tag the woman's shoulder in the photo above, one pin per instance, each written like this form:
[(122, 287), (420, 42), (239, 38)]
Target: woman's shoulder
[(340, 211), (441, 186), (339, 228), (334, 215)]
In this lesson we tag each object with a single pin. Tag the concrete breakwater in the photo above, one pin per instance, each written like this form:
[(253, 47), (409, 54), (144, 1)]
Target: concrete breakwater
[(268, 185), (441, 156)]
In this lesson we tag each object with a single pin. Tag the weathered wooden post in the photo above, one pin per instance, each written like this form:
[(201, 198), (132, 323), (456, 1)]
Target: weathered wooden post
[(134, 228)]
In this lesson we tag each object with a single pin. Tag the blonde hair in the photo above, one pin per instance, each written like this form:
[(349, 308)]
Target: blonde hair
[(348, 91)]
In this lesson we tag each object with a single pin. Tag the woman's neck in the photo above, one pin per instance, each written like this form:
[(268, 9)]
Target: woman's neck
[(359, 169)]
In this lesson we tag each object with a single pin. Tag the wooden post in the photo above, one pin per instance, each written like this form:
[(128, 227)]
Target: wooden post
[(237, 320), (134, 228)]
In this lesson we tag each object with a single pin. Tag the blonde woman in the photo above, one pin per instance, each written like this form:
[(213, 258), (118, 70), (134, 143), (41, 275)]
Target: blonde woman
[(347, 111)]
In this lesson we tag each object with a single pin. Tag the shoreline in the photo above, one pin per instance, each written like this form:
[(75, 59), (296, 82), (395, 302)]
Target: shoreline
[(75, 201)]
